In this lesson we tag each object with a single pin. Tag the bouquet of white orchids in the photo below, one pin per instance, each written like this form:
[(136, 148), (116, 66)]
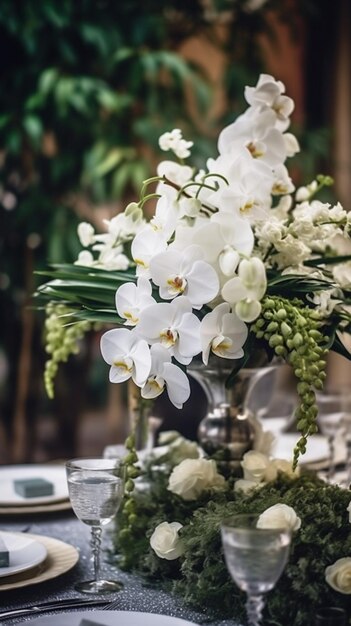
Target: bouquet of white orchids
[(233, 258)]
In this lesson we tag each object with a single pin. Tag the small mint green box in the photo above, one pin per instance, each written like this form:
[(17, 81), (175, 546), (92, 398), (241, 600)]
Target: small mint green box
[(33, 487)]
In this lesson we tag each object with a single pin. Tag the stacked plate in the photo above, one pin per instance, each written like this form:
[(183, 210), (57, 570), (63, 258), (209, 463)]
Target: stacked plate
[(12, 502), (109, 618), (32, 559)]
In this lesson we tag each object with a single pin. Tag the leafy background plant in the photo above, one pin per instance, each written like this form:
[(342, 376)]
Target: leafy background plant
[(87, 88)]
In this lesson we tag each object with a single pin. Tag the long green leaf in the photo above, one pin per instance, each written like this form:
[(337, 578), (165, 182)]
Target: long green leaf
[(329, 260)]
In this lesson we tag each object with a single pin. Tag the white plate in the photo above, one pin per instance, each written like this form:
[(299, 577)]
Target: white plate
[(60, 559), (317, 447), (25, 553), (109, 618), (56, 474)]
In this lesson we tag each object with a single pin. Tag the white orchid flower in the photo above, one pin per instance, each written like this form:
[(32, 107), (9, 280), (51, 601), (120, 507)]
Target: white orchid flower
[(223, 333), (174, 326), (163, 373), (282, 181), (132, 298), (223, 239), (292, 146), (248, 194), (255, 131), (174, 141), (245, 291), (86, 234), (184, 273), (269, 92), (128, 355), (85, 258), (147, 243), (165, 217), (113, 259)]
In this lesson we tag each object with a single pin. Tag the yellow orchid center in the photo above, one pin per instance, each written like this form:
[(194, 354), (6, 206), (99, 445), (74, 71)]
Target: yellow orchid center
[(255, 152), (176, 285), (220, 345), (168, 337)]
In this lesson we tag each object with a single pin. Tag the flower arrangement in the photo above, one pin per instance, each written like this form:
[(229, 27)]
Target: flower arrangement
[(170, 531), (234, 258)]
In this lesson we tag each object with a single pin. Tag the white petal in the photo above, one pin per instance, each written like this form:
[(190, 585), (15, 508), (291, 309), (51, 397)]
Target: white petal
[(210, 327), (248, 310), (203, 284), (153, 319), (229, 260), (115, 342), (189, 335), (178, 387), (142, 362), (233, 290)]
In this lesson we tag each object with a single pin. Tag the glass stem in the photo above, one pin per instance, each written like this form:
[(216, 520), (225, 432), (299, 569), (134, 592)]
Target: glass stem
[(331, 468), (254, 608), (95, 544)]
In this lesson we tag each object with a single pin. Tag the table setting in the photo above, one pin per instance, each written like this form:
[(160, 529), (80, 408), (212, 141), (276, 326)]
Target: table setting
[(237, 274)]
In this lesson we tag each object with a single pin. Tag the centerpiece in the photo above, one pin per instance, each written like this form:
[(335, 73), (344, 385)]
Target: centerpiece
[(234, 262)]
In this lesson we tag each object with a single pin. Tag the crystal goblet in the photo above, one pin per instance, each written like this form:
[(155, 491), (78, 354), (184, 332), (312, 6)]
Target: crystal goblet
[(96, 488), (255, 558), (330, 421)]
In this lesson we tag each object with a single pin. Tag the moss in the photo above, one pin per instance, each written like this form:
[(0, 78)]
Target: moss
[(201, 577)]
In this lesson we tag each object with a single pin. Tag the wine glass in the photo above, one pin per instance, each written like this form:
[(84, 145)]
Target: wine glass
[(96, 488), (330, 421), (255, 558)]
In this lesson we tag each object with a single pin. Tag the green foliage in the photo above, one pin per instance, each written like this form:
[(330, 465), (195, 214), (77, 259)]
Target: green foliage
[(200, 575)]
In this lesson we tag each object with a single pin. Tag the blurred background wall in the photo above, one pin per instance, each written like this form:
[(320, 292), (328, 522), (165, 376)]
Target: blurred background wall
[(86, 89)]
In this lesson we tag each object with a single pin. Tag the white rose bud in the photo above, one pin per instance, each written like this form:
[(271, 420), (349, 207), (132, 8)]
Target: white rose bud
[(193, 476), (279, 516), (255, 465), (338, 575), (166, 542)]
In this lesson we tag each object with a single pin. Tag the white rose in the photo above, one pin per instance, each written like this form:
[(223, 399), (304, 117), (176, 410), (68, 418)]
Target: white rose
[(182, 448), (193, 476), (246, 485), (255, 465), (338, 575), (281, 465), (279, 516), (165, 541)]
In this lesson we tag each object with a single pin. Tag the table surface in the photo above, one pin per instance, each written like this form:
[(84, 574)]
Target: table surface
[(136, 595)]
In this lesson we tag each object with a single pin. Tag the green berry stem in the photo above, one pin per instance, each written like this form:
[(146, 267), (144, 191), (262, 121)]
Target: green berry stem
[(62, 339), (293, 331)]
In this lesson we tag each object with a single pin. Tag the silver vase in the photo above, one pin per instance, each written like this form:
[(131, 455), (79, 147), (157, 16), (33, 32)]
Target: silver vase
[(228, 430)]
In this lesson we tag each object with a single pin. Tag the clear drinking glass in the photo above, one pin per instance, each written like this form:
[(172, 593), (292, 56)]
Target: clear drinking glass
[(330, 421), (96, 488), (255, 558)]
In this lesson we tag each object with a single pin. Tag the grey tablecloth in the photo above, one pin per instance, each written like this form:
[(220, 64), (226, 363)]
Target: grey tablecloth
[(135, 596)]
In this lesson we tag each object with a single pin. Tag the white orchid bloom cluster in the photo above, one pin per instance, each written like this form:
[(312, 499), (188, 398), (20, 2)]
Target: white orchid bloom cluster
[(109, 246), (198, 270), (200, 279)]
